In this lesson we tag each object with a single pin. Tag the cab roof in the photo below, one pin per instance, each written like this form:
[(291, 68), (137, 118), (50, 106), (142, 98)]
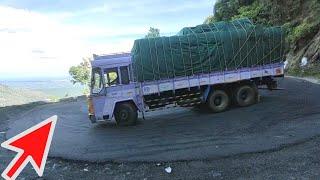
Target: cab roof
[(111, 60)]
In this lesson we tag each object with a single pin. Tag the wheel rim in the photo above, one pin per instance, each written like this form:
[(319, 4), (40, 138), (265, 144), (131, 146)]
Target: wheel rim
[(244, 95), (217, 101), (123, 115)]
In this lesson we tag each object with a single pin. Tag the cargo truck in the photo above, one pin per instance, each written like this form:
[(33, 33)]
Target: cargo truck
[(212, 65)]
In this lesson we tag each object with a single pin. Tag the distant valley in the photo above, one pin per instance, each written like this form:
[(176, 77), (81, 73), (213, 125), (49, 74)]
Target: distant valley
[(23, 92)]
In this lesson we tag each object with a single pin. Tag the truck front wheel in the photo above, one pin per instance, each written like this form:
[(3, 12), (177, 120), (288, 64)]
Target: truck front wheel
[(218, 101), (126, 114), (245, 95)]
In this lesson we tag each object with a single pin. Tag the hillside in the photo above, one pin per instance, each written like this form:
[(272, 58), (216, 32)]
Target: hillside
[(10, 96), (299, 18)]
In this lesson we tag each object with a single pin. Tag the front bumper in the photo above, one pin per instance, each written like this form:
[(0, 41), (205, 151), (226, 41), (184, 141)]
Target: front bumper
[(92, 118)]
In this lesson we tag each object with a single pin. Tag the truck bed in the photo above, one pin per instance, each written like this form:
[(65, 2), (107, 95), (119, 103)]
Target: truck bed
[(153, 87)]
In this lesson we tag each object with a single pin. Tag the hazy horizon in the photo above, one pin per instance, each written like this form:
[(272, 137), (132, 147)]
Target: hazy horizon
[(33, 78)]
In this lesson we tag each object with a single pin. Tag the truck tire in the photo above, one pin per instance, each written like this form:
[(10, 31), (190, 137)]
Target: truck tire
[(126, 114), (246, 95), (218, 101)]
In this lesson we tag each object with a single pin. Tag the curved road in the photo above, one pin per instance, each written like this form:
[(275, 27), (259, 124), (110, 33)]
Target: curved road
[(282, 118)]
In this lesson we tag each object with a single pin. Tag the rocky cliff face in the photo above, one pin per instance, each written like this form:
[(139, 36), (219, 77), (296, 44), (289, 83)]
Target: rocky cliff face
[(310, 52)]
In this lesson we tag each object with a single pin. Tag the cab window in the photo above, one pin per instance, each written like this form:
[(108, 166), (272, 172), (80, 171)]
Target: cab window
[(111, 77), (124, 75), (96, 81)]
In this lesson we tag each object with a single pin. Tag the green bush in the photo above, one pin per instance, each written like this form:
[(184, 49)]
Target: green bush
[(251, 11), (300, 31)]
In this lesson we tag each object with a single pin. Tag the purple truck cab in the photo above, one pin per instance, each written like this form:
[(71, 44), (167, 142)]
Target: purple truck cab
[(111, 83)]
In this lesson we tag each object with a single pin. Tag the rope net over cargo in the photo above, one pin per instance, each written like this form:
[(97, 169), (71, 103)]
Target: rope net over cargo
[(207, 48)]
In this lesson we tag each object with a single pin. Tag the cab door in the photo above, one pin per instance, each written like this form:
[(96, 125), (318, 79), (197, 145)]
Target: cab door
[(118, 86), (97, 94), (118, 82)]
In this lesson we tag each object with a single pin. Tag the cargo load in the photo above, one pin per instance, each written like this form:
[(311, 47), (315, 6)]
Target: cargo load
[(218, 26), (207, 48)]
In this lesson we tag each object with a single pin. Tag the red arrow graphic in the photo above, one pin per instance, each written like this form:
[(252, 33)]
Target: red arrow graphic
[(32, 146)]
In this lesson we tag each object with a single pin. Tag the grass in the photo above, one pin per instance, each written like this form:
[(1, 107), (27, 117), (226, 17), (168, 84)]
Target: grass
[(313, 72)]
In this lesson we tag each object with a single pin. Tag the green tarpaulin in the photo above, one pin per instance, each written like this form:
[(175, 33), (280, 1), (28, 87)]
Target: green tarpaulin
[(218, 26), (205, 49)]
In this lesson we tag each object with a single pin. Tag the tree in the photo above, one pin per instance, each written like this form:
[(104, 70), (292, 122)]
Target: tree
[(153, 32), (224, 10), (81, 73), (210, 19)]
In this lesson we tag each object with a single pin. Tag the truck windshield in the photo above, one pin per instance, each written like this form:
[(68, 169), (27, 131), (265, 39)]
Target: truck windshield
[(96, 81)]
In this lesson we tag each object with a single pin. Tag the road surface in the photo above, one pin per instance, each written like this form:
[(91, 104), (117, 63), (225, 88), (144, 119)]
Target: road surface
[(282, 118)]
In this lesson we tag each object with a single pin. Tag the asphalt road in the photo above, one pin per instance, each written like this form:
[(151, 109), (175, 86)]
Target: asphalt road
[(282, 118)]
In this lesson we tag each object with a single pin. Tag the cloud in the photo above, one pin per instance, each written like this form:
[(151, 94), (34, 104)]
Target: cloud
[(38, 51), (124, 18), (34, 43), (32, 30), (139, 8)]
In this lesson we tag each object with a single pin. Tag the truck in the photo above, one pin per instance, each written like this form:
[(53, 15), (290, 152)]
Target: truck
[(199, 72)]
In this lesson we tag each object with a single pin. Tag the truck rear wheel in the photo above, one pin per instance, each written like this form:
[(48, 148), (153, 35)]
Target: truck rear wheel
[(245, 95), (126, 114), (218, 101)]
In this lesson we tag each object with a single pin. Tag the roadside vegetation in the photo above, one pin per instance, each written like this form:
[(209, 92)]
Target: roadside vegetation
[(81, 73), (153, 33), (299, 18)]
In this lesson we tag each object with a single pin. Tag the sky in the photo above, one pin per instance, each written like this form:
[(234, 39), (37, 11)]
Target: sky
[(44, 38)]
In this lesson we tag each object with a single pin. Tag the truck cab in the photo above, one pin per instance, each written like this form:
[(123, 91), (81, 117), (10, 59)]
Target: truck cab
[(112, 89)]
